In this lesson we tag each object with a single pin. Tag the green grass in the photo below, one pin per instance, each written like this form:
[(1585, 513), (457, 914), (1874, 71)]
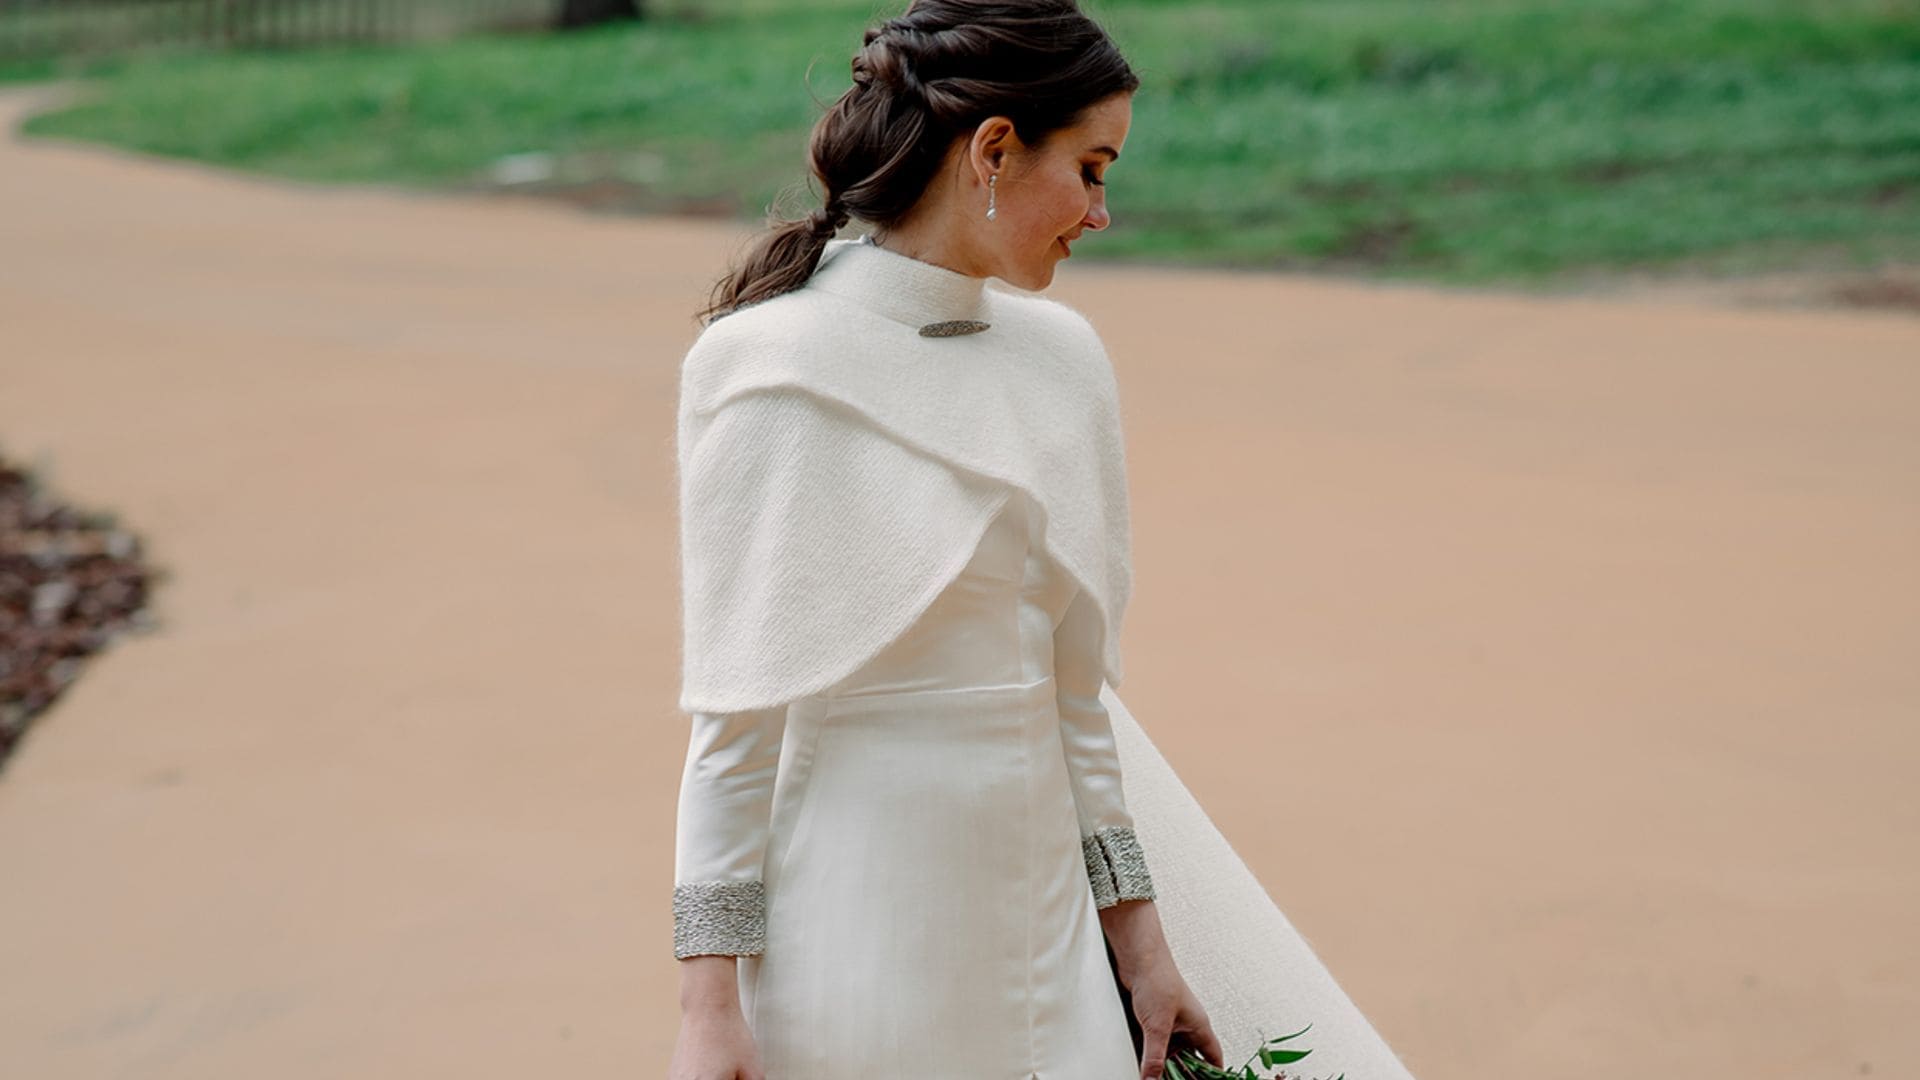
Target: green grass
[(42, 68), (1458, 140)]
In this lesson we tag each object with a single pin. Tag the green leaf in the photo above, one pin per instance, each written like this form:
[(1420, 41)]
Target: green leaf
[(1191, 1064), (1295, 1035)]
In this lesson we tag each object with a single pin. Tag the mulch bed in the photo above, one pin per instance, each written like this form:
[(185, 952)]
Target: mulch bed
[(70, 581)]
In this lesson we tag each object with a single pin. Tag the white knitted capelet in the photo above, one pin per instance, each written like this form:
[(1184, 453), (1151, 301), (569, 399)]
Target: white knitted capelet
[(807, 546)]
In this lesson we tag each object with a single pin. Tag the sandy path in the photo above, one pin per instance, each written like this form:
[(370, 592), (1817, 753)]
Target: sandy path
[(1552, 661)]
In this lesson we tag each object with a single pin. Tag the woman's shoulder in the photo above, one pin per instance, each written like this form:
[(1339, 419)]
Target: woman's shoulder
[(1042, 309), (806, 335), (793, 316), (1059, 329), (774, 334), (809, 315)]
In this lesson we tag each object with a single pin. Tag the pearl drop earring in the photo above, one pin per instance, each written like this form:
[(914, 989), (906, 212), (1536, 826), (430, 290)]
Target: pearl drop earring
[(991, 210)]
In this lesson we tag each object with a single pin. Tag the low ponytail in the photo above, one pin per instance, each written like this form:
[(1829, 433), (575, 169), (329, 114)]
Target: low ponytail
[(779, 262)]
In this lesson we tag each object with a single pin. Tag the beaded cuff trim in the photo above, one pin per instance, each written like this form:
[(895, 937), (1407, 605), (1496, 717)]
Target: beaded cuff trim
[(1097, 873), (1117, 866), (723, 918)]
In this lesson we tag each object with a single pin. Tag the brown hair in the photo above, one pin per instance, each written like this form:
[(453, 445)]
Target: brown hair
[(921, 81)]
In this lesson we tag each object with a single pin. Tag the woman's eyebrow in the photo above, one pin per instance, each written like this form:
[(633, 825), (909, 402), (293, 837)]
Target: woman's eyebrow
[(1107, 150)]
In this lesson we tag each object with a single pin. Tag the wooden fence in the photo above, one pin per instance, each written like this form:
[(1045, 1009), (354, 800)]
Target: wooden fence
[(40, 28)]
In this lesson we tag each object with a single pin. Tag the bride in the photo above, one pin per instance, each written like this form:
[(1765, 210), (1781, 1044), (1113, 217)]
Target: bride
[(918, 832)]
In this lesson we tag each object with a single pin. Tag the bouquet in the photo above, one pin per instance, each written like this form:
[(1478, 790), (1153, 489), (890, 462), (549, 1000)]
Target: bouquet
[(1187, 1064)]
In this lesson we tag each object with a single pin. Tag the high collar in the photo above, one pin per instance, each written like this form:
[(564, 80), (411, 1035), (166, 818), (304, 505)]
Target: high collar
[(901, 287)]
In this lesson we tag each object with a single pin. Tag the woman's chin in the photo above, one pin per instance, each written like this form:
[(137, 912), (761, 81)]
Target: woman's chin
[(1040, 278)]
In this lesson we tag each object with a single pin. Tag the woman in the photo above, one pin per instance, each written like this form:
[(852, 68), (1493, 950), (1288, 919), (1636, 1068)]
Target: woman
[(903, 844)]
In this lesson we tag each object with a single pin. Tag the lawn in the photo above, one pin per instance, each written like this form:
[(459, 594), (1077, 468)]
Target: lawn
[(1455, 140)]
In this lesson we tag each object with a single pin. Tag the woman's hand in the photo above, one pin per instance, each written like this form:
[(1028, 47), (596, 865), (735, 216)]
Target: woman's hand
[(1162, 1002), (715, 1042)]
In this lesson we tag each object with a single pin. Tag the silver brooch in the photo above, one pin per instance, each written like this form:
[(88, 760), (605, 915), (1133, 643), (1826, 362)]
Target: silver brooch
[(953, 327)]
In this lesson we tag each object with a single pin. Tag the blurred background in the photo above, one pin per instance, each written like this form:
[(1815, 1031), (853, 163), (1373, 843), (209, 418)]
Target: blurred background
[(1517, 140), (1523, 423)]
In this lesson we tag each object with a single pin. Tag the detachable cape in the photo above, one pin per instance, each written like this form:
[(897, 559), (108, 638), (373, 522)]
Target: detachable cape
[(806, 550)]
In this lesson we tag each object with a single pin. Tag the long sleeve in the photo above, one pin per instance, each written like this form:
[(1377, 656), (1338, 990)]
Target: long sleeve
[(1116, 865), (720, 835)]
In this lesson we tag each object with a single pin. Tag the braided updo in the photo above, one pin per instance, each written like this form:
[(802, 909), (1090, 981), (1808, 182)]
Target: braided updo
[(921, 81)]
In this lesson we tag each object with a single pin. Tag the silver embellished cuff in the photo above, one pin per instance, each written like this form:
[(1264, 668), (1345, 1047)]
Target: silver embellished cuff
[(1104, 895), (719, 918), (1116, 865)]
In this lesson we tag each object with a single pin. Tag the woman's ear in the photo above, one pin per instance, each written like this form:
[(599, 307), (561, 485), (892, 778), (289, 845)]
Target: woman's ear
[(993, 141)]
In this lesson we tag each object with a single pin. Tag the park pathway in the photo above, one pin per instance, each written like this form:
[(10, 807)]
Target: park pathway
[(1550, 660)]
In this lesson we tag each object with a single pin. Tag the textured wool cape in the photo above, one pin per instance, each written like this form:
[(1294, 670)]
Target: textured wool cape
[(806, 550)]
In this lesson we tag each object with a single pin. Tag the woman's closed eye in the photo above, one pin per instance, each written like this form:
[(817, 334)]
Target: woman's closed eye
[(1092, 179)]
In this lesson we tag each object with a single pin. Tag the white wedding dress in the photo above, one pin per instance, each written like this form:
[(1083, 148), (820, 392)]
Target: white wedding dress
[(909, 865), (891, 855)]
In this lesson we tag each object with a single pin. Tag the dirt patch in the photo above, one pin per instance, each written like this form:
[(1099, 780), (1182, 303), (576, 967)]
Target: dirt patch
[(70, 580)]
